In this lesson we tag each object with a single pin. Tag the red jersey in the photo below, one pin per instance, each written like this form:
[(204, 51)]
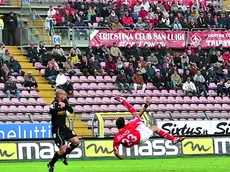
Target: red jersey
[(128, 136)]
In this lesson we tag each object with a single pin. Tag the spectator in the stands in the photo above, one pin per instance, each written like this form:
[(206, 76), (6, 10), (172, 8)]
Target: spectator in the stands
[(212, 75), (228, 22), (222, 21), (95, 66), (85, 66), (11, 88), (2, 50), (69, 67), (50, 73), (115, 51), (110, 67), (51, 12), (69, 9), (119, 64), (116, 25), (227, 86), (136, 51), (209, 20), (200, 87), (15, 66), (187, 74), (76, 49), (106, 51), (129, 72), (226, 58), (176, 25), (6, 56), (176, 80), (192, 24), (59, 51), (57, 58), (112, 16), (138, 81), (69, 88), (153, 59), (142, 13), (58, 18), (41, 48), (91, 15), (104, 11), (11, 24), (150, 71), (184, 61), (158, 80), (221, 89), (61, 80), (60, 9), (201, 21), (45, 58), (127, 20), (137, 7), (189, 87), (74, 57), (140, 25), (33, 54), (123, 83), (30, 81)]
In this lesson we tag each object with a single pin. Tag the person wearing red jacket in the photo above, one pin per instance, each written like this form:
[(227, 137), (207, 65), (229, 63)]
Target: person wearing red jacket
[(226, 58), (68, 8), (57, 17), (110, 66), (127, 21), (142, 13)]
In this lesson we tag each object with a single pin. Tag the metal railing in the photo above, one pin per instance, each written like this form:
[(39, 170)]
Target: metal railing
[(1, 30)]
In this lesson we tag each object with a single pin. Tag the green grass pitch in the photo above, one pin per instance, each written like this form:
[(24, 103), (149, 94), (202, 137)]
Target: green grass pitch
[(188, 164)]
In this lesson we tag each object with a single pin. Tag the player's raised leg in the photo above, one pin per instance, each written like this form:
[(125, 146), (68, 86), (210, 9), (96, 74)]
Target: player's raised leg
[(166, 135), (127, 105)]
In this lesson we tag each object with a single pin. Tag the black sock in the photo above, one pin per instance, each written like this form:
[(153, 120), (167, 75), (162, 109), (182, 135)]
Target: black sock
[(55, 159), (69, 149)]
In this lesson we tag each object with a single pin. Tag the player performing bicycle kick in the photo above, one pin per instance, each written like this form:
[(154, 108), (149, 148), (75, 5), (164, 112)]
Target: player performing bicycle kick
[(136, 132)]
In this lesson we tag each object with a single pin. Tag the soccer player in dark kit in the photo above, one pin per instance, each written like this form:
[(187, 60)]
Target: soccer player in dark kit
[(60, 131)]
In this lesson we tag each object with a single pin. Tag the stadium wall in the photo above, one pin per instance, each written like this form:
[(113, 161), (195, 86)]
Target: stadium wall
[(94, 148)]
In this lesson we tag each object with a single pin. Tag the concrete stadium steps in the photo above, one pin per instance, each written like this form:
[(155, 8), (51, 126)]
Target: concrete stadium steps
[(81, 128), (226, 4), (45, 89)]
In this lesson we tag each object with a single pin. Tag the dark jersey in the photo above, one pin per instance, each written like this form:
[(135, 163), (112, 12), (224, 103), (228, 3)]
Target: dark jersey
[(58, 114)]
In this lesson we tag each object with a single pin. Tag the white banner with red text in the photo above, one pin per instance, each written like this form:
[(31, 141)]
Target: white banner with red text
[(123, 38), (188, 128), (207, 39)]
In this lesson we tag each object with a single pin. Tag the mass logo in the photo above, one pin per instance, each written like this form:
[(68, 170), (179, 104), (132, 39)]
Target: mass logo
[(99, 148), (197, 146), (195, 39), (8, 151)]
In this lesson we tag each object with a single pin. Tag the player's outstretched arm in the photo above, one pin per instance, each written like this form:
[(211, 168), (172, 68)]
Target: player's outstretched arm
[(119, 156), (147, 103)]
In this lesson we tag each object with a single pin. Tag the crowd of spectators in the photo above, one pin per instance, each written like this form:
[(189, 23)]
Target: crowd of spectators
[(9, 68), (192, 69), (144, 15)]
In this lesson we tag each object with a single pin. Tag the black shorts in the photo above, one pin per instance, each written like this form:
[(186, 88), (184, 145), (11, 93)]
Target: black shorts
[(61, 135)]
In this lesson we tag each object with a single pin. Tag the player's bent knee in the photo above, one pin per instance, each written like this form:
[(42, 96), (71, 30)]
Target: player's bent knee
[(154, 128), (75, 141), (62, 149)]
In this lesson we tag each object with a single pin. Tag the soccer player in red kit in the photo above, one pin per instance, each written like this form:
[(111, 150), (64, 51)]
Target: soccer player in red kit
[(136, 132)]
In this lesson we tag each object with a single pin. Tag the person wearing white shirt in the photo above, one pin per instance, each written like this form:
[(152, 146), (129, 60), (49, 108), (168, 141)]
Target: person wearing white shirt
[(51, 12), (189, 87), (146, 5), (137, 7), (61, 80)]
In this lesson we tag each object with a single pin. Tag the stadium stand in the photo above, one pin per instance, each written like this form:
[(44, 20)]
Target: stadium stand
[(92, 93)]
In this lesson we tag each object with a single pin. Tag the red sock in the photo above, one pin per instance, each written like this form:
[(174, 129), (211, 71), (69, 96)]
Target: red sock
[(129, 106), (165, 135)]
